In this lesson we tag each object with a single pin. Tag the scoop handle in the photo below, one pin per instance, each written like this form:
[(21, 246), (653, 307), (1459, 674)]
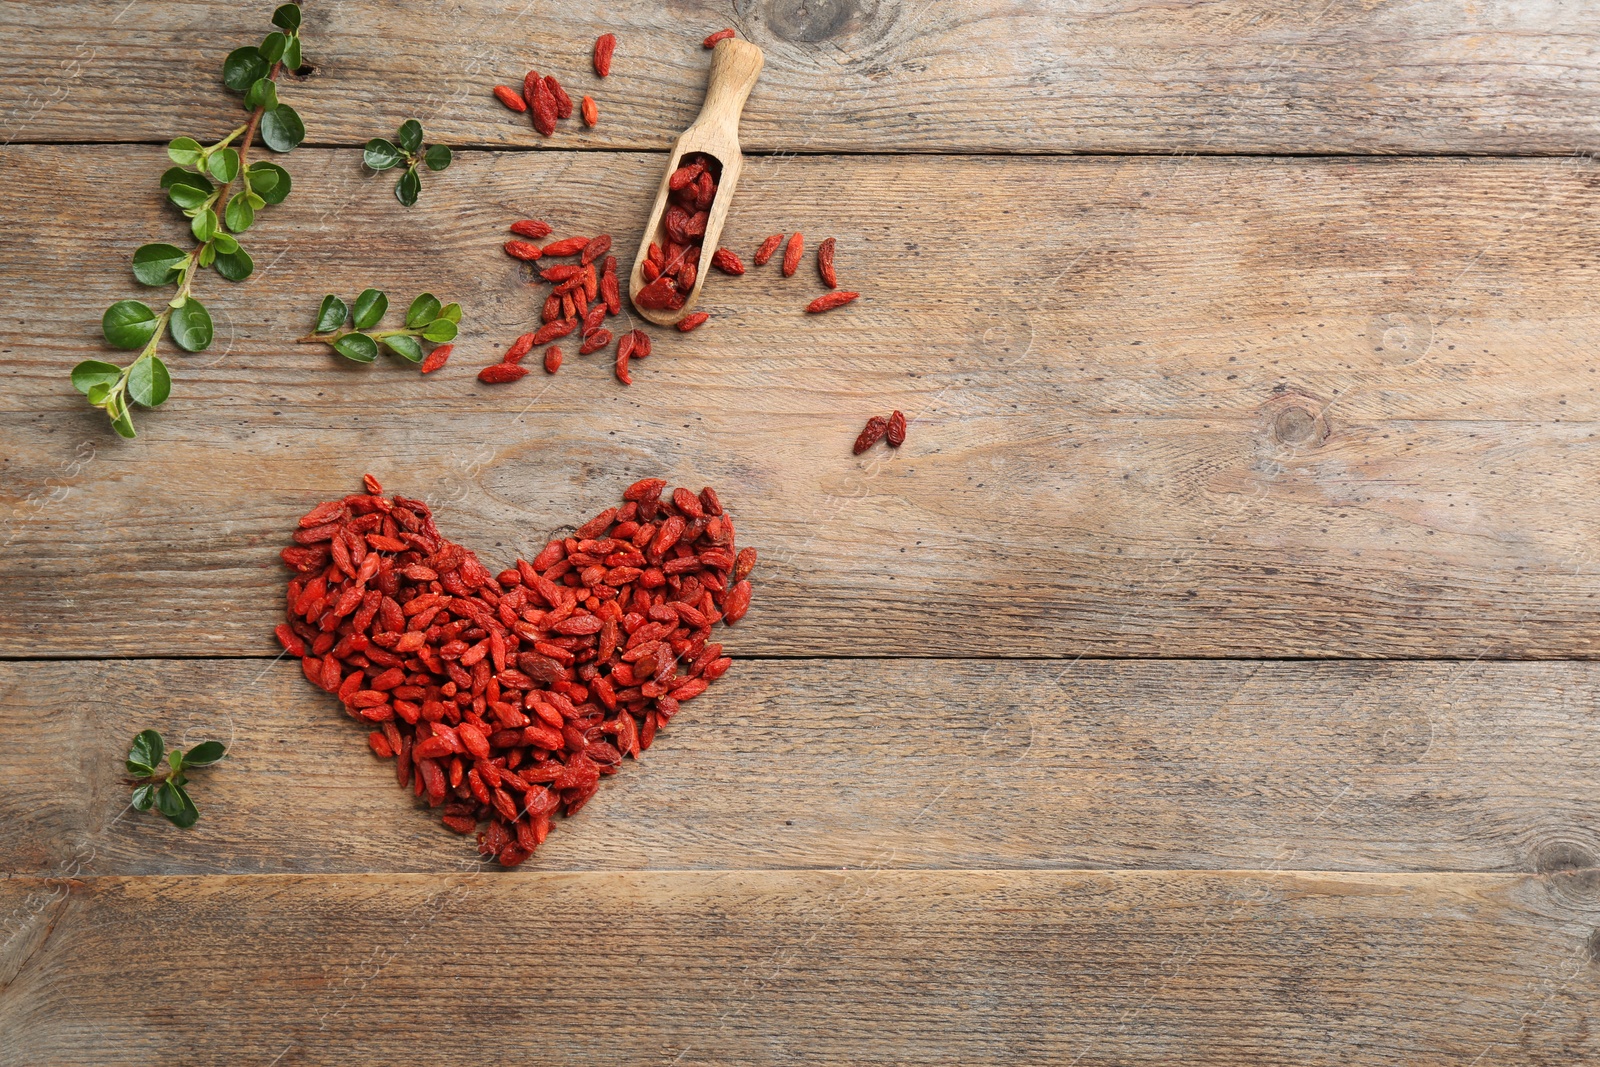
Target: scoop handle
[(735, 66)]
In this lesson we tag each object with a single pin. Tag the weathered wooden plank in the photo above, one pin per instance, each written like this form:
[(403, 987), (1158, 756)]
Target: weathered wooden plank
[(977, 76), (805, 967), (1160, 407), (912, 763)]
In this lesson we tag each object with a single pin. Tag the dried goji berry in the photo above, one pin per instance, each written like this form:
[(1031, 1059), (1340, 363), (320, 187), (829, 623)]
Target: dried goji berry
[(535, 228), (563, 101), (720, 35), (596, 248), (496, 373), (551, 330), (437, 358), (876, 427), (544, 108), (622, 370), (792, 253), (727, 261), (594, 341), (523, 250), (552, 359), (825, 264), (829, 301), (769, 246), (692, 321), (590, 112), (896, 433), (519, 348), (605, 46), (509, 98), (529, 81), (567, 246)]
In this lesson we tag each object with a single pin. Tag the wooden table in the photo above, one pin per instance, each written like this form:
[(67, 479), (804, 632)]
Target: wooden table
[(1207, 680)]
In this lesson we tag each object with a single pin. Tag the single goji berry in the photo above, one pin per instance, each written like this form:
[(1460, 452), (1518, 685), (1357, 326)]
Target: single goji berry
[(523, 250), (876, 427), (544, 108), (622, 370), (720, 35), (829, 301), (596, 248), (825, 264), (563, 101), (896, 433), (605, 46), (437, 358), (769, 246), (590, 112), (552, 359), (529, 80), (535, 228), (792, 253), (519, 348), (727, 261), (497, 373), (690, 322), (510, 99), (567, 246), (594, 341)]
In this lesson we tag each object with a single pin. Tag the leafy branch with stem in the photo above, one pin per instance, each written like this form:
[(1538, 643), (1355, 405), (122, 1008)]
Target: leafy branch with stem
[(380, 155), (165, 790), (202, 186), (425, 320)]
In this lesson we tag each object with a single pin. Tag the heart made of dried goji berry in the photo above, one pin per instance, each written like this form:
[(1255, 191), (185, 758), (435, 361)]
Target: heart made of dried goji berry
[(504, 698)]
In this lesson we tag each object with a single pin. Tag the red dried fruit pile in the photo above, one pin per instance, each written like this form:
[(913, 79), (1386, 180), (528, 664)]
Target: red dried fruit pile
[(670, 272), (507, 698), (878, 428), (581, 298), (547, 102)]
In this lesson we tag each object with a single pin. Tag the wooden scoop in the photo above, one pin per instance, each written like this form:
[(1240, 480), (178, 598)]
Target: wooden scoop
[(735, 65)]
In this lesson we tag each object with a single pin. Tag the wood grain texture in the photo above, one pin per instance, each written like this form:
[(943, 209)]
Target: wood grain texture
[(910, 763), (811, 968), (850, 75), (1172, 407)]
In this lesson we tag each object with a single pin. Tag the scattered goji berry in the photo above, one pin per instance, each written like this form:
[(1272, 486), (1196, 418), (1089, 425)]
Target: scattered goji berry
[(792, 253), (825, 264), (692, 321), (876, 427), (829, 301), (519, 348), (720, 35), (523, 250), (727, 261), (510, 99), (535, 228), (552, 359), (605, 46), (590, 111), (896, 433), (437, 358), (563, 101)]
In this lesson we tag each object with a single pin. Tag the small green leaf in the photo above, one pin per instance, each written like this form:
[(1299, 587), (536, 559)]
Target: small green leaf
[(191, 326), (188, 193), (331, 315), (204, 224), (381, 155), (291, 55), (224, 165), (287, 18), (99, 394), (242, 68), (224, 242), (370, 306), (172, 174), (144, 796), (262, 93), (271, 181), (236, 266), (437, 157), (403, 344), (121, 418), (204, 754), (128, 324), (282, 129), (239, 214), (145, 755), (92, 373), (410, 136), (173, 802), (272, 46), (255, 202), (155, 264), (424, 309), (207, 255), (451, 312), (357, 346), (148, 381), (184, 151), (175, 761), (407, 188), (439, 331)]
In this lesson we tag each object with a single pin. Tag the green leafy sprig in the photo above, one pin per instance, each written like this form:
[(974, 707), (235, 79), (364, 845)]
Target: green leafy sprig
[(426, 320), (406, 148), (202, 186), (164, 790)]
